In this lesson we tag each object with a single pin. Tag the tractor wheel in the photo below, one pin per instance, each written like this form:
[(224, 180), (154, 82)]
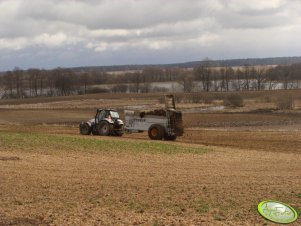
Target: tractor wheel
[(172, 137), (94, 132), (104, 128), (156, 132), (118, 133), (85, 129), (118, 130)]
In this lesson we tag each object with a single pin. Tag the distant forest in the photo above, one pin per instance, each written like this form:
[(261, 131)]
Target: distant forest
[(207, 75), (193, 64)]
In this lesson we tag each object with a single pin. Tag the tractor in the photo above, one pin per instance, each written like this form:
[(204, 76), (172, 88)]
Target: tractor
[(105, 123)]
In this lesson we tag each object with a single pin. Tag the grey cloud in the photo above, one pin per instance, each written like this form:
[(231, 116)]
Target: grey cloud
[(129, 14), (144, 31), (245, 21), (258, 14)]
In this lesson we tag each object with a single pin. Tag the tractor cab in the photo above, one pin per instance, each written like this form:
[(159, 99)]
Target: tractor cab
[(108, 114)]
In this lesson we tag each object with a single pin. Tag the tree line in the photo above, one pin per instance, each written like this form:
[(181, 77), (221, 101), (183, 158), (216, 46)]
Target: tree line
[(207, 77)]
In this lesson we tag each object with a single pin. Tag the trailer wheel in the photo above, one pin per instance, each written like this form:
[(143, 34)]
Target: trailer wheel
[(104, 128), (85, 129), (156, 132)]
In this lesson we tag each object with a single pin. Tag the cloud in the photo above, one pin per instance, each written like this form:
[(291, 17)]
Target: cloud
[(148, 29)]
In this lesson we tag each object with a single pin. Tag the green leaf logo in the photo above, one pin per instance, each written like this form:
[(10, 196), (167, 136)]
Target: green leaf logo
[(277, 212)]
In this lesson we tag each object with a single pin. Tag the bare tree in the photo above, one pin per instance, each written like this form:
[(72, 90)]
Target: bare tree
[(223, 85), (64, 80), (247, 75), (151, 74), (239, 78), (146, 88), (8, 81), (260, 76), (84, 80), (204, 73), (228, 76), (137, 81), (50, 78), (216, 83), (34, 75), (295, 75), (187, 83), (18, 76), (119, 88)]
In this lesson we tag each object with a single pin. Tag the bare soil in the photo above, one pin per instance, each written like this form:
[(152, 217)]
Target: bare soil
[(221, 187), (254, 155)]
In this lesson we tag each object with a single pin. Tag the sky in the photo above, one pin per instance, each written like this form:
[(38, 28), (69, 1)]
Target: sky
[(64, 33)]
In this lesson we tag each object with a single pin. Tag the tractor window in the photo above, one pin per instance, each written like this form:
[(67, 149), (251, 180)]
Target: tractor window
[(102, 114), (114, 114)]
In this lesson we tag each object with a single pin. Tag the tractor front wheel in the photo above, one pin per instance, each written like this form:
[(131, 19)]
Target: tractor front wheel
[(85, 129)]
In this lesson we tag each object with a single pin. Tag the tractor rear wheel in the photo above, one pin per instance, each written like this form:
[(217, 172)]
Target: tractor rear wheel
[(85, 129), (104, 128), (156, 132)]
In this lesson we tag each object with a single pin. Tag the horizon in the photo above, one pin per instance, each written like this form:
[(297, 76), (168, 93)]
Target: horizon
[(146, 64)]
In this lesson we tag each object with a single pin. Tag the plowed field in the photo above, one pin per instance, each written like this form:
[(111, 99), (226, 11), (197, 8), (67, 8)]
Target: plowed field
[(216, 174)]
